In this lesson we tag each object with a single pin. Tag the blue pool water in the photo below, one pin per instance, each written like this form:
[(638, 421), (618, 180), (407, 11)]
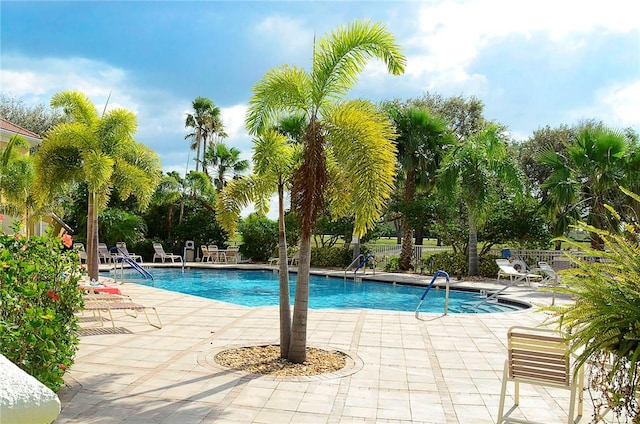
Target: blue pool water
[(260, 288)]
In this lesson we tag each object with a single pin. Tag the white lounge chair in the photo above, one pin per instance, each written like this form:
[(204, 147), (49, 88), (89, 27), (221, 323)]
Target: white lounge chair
[(123, 247), (161, 254), (295, 259), (82, 254), (550, 277), (515, 276), (104, 254), (538, 357)]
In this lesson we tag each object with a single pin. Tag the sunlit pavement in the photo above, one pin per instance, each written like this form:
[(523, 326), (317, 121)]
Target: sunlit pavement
[(429, 368)]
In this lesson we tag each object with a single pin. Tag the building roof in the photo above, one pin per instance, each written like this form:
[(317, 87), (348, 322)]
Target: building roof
[(8, 126)]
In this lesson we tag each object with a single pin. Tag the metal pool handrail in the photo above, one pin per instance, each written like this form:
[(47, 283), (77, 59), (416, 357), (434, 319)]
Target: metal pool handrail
[(437, 274)]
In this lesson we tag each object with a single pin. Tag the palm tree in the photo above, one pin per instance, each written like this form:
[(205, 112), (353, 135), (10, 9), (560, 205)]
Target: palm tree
[(474, 168), (99, 151), (206, 123), (16, 176), (275, 159), (587, 177), (422, 140), (224, 160), (344, 138)]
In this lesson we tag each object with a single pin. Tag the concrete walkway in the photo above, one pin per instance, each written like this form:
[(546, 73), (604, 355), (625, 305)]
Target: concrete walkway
[(404, 369)]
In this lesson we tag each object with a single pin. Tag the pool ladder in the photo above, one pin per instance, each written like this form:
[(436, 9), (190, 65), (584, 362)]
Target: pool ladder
[(360, 262), (438, 273)]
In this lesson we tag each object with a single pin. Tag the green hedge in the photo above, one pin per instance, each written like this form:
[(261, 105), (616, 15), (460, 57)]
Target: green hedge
[(458, 264), (38, 300), (333, 257)]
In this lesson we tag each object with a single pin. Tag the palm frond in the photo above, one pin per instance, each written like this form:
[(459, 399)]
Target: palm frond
[(361, 139), (76, 106), (340, 57), (281, 91)]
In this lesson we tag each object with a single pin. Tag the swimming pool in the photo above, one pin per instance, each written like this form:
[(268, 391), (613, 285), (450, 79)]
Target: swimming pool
[(260, 288)]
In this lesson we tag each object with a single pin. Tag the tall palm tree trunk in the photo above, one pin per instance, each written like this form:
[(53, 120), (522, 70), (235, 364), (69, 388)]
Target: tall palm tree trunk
[(298, 343), (407, 234), (92, 238), (198, 142), (473, 246), (285, 301)]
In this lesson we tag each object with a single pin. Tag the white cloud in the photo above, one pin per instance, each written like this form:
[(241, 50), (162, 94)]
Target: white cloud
[(288, 34), (616, 105), (450, 35)]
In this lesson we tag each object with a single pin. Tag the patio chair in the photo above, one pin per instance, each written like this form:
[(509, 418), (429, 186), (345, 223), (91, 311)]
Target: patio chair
[(161, 254), (538, 357), (82, 254), (112, 304), (214, 253), (123, 247), (295, 259), (205, 253), (550, 278), (515, 276), (104, 254), (231, 254), (275, 258)]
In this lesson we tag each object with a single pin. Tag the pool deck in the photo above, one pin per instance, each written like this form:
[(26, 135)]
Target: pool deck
[(430, 368)]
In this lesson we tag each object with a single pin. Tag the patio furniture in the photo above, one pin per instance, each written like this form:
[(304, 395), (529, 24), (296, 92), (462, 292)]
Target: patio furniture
[(104, 254), (161, 254), (295, 259), (515, 276), (538, 357), (214, 252), (123, 248), (82, 254), (231, 254), (130, 308)]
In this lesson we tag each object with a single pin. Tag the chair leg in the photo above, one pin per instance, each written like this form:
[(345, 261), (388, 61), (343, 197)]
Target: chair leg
[(503, 394)]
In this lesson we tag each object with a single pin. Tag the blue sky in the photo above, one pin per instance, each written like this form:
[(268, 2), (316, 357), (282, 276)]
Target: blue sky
[(532, 63)]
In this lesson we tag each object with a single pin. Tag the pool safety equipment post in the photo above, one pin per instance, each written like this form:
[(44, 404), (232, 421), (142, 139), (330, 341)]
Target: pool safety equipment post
[(438, 273)]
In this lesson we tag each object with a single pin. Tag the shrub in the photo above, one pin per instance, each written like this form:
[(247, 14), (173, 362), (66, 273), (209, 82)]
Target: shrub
[(38, 299), (259, 238), (393, 264), (331, 257), (603, 324), (454, 264), (457, 264), (487, 265)]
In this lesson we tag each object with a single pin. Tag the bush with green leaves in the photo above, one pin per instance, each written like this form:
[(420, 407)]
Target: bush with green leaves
[(259, 238), (457, 264), (332, 257), (603, 324), (38, 300)]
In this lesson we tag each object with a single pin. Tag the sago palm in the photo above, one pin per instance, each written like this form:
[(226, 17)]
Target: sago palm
[(603, 323), (352, 136), (100, 151)]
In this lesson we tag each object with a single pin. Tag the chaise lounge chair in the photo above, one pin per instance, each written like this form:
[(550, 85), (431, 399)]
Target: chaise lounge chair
[(109, 302), (123, 248), (104, 254), (161, 254), (82, 254), (515, 276)]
